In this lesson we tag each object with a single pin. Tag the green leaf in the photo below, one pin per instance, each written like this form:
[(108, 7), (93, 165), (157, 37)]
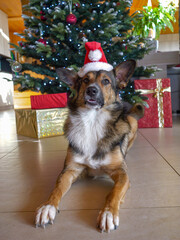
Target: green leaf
[(169, 24)]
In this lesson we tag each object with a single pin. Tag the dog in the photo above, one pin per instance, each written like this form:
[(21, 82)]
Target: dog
[(100, 132)]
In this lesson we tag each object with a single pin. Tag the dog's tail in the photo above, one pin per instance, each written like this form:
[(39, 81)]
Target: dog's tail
[(137, 111)]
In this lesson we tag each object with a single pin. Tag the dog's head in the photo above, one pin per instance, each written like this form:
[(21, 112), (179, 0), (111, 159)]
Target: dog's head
[(97, 88)]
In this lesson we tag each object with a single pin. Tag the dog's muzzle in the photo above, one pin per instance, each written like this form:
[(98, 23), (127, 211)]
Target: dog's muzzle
[(94, 97)]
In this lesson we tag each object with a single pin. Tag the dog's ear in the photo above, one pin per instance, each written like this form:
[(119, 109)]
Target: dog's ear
[(67, 76), (124, 72)]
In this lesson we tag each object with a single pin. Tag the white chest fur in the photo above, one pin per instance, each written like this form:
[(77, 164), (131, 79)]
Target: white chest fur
[(86, 129)]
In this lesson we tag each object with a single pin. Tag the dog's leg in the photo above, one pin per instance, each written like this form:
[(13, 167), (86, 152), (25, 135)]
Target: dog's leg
[(47, 211), (133, 133), (108, 218)]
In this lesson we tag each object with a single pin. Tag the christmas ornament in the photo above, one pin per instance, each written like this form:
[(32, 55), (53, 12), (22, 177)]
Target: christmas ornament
[(16, 67), (71, 19), (43, 18), (41, 40), (20, 44)]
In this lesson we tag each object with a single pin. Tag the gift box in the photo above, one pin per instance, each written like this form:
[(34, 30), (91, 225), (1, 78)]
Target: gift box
[(40, 123), (22, 99), (159, 113), (58, 100)]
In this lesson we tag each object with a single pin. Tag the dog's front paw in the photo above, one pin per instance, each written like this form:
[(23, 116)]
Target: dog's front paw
[(108, 220), (44, 215)]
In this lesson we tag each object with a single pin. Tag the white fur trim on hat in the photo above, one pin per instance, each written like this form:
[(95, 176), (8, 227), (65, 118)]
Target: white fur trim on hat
[(95, 55), (94, 66)]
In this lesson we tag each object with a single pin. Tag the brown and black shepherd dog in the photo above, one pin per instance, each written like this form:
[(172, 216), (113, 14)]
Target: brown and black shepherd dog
[(100, 132)]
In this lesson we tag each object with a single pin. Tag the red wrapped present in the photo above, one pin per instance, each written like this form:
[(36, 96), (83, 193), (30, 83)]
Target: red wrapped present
[(159, 113), (58, 100)]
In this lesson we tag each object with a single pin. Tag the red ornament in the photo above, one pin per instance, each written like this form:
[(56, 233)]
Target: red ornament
[(71, 19), (20, 44), (42, 41), (43, 18), (118, 3)]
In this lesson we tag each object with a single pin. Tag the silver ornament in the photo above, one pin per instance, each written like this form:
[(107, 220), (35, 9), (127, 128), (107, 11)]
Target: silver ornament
[(16, 67)]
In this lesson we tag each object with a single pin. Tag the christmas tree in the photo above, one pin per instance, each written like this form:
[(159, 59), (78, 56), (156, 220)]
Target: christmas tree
[(55, 35)]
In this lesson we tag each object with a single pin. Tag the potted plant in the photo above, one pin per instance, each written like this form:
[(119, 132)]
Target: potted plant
[(149, 22)]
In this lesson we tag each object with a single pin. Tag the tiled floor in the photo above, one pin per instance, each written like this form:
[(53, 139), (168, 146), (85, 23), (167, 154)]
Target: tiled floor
[(29, 168)]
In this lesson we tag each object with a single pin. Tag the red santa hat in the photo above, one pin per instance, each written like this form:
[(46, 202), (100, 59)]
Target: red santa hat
[(95, 59)]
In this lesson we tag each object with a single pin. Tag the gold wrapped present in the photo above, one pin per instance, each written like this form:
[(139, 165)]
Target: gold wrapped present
[(22, 99), (40, 123)]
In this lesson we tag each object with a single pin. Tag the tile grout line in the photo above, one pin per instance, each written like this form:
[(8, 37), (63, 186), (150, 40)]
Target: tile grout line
[(160, 154), (71, 210), (8, 152)]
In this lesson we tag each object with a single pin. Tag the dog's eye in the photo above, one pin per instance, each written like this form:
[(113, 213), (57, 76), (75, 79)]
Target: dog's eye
[(105, 81), (86, 80)]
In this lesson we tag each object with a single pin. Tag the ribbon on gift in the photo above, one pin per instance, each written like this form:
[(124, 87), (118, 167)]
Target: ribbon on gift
[(158, 93)]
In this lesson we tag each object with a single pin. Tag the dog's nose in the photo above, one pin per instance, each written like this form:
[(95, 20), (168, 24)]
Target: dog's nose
[(91, 91)]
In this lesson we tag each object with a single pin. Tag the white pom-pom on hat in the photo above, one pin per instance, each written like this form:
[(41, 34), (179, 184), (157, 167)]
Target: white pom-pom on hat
[(95, 55)]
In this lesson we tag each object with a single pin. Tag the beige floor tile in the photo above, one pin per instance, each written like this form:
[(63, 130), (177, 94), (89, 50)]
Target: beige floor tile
[(172, 156), (166, 142), (135, 224), (153, 182), (9, 147), (160, 137), (2, 155), (27, 178), (140, 141), (28, 172), (57, 143)]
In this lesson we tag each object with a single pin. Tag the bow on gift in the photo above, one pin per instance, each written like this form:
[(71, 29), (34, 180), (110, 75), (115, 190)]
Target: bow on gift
[(159, 94)]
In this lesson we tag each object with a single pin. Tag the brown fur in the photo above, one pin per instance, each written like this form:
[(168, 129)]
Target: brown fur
[(97, 92)]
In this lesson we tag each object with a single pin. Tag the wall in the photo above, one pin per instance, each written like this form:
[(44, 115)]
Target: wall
[(168, 42), (6, 87), (6, 91), (4, 34)]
